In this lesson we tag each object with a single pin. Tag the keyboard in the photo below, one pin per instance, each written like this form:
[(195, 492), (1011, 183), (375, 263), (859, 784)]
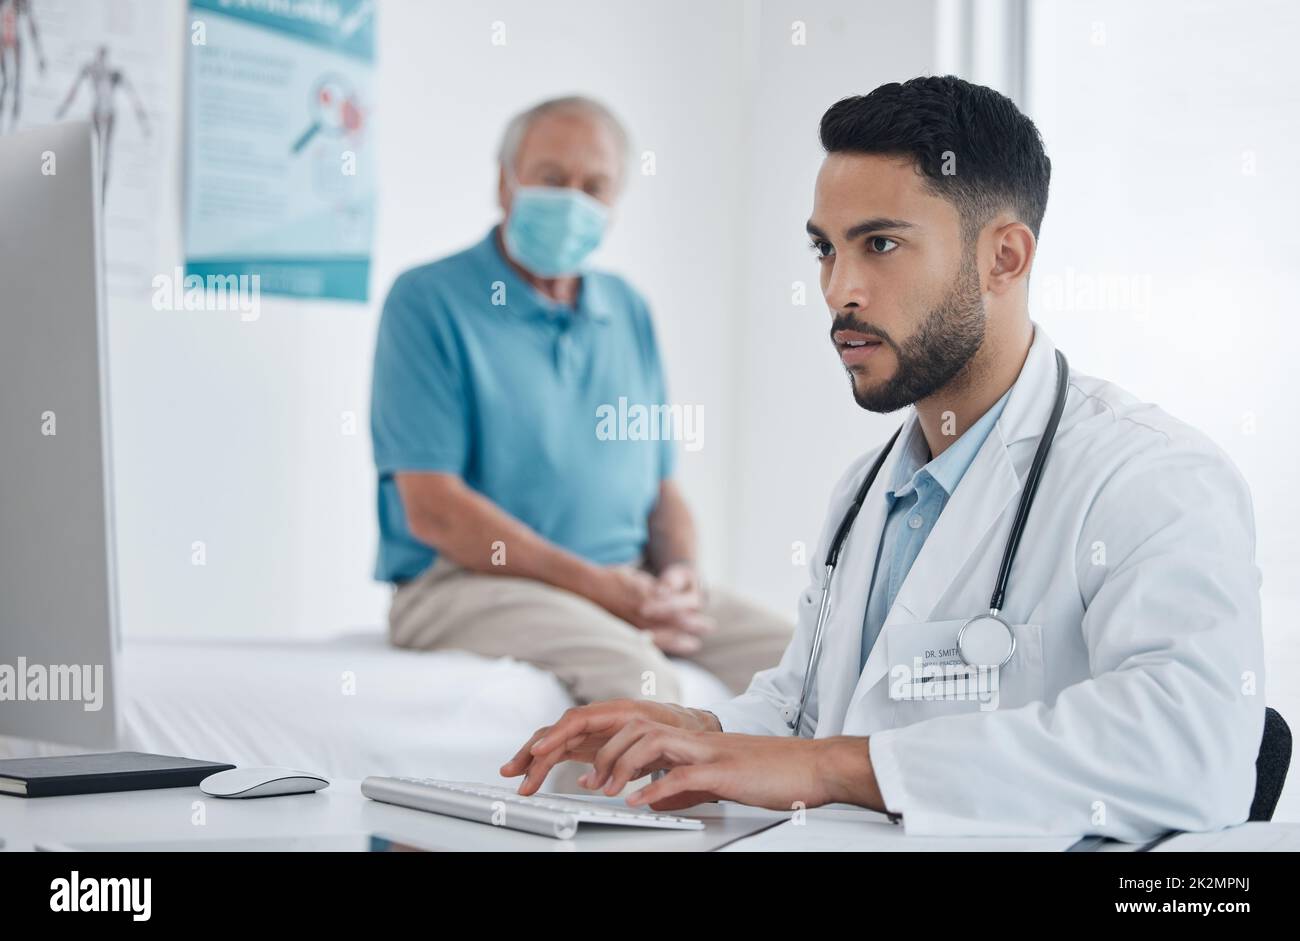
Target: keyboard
[(546, 814)]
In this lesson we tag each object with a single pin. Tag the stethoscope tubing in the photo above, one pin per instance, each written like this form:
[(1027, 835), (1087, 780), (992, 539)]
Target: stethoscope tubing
[(1008, 553)]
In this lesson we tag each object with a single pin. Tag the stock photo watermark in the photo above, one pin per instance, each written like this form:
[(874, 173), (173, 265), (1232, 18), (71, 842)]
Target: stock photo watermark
[(945, 682), (79, 893), (1097, 292), (214, 292), (626, 421), (61, 682)]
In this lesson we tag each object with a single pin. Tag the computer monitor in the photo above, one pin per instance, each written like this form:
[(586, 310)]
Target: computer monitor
[(58, 598)]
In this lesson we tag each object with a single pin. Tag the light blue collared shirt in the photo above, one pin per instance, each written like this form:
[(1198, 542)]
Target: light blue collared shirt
[(917, 495)]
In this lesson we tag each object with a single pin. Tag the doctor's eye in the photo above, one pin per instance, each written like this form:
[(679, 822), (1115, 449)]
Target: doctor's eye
[(821, 249), (881, 245)]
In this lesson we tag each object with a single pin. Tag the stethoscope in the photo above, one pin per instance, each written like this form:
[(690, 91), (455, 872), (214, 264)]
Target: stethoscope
[(985, 640)]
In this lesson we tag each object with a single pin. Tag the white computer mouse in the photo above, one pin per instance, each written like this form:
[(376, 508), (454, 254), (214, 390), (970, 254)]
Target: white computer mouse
[(261, 782)]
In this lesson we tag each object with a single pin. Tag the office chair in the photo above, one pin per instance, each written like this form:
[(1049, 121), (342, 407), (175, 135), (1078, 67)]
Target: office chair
[(1271, 765)]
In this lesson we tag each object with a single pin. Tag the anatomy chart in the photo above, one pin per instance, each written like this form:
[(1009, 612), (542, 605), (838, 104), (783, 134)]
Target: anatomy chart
[(106, 63)]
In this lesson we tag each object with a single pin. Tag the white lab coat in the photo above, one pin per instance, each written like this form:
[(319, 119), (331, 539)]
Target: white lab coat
[(1134, 702)]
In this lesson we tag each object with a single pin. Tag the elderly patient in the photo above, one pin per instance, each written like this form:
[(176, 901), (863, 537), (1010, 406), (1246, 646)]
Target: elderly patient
[(511, 524)]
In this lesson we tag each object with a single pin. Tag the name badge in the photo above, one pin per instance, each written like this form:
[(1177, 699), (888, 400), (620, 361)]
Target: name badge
[(924, 664)]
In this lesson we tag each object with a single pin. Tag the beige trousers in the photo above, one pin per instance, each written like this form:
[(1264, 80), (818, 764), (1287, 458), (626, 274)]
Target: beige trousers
[(595, 654)]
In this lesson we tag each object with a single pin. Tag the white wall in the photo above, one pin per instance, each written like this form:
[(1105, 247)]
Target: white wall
[(1173, 129), (802, 427), (229, 432)]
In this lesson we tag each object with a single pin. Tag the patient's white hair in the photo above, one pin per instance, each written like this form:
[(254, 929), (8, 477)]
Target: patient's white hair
[(513, 139)]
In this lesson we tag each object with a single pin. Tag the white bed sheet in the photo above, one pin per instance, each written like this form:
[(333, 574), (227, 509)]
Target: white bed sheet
[(345, 708)]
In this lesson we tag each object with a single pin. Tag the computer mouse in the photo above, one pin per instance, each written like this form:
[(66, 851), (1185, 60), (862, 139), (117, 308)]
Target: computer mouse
[(261, 782)]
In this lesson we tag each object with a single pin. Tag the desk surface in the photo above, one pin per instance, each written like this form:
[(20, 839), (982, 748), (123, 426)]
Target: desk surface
[(187, 815)]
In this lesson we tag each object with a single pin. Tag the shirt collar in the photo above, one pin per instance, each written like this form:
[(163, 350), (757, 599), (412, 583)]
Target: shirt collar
[(949, 467), (594, 299)]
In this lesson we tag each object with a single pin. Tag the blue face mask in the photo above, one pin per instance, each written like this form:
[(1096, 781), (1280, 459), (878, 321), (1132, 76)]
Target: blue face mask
[(551, 229)]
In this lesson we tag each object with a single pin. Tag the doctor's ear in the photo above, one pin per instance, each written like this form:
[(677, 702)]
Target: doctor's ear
[(1010, 246)]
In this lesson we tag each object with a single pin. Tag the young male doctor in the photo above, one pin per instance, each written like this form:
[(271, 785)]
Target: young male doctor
[(1120, 686)]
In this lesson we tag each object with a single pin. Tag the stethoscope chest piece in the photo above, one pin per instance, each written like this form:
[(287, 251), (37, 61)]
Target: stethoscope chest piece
[(986, 640)]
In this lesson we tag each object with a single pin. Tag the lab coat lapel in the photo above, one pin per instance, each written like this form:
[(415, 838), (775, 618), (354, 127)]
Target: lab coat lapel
[(988, 486), (837, 671), (988, 489)]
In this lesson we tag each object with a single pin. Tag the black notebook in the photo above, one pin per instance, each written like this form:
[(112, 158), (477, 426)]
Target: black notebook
[(98, 773)]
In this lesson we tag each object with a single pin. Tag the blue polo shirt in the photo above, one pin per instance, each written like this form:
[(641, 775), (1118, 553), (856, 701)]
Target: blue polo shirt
[(918, 492), (478, 374)]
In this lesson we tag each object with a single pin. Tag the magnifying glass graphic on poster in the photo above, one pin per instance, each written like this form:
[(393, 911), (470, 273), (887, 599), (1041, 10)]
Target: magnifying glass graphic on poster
[(334, 109)]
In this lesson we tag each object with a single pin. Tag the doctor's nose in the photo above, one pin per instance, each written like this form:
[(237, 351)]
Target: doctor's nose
[(846, 291)]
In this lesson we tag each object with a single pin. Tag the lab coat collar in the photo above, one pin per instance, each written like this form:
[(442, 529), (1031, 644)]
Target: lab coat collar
[(1030, 404), (991, 483)]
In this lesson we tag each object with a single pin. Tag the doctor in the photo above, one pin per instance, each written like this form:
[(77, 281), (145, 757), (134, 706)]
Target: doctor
[(1121, 690)]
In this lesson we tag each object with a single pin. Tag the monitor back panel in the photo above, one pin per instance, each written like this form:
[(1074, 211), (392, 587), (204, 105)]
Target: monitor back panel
[(58, 610)]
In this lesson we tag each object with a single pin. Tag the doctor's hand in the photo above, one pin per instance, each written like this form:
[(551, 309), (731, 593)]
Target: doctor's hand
[(777, 773), (583, 730)]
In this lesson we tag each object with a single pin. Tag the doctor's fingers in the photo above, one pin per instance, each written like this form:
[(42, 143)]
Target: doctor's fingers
[(684, 786), (664, 747), (595, 719), (618, 743), (523, 757), (539, 768), (581, 745)]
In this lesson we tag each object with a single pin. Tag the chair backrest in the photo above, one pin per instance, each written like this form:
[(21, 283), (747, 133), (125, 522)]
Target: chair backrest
[(1271, 765)]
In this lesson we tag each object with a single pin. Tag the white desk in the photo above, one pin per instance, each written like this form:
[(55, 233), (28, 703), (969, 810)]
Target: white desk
[(840, 828), (188, 815), (173, 814)]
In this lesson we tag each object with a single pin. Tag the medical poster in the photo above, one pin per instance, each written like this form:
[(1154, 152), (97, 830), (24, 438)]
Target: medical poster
[(279, 168), (105, 62)]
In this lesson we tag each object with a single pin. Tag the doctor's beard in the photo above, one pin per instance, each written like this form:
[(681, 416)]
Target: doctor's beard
[(933, 356)]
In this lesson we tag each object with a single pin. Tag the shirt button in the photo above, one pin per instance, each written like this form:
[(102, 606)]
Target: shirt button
[(915, 522)]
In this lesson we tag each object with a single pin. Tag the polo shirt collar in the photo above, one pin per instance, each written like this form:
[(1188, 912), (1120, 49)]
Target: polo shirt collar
[(594, 300)]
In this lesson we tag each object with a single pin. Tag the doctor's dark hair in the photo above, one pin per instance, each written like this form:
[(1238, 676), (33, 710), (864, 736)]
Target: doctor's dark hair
[(973, 145)]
